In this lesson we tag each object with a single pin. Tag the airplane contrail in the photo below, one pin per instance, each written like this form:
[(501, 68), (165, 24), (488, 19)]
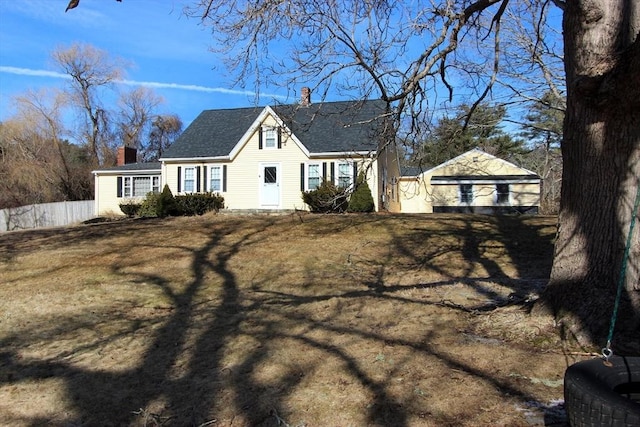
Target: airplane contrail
[(157, 85)]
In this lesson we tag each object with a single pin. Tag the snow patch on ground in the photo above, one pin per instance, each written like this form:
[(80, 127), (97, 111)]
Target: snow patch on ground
[(550, 414)]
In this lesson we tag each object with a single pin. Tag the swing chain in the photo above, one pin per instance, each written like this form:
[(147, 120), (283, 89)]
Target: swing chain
[(607, 352)]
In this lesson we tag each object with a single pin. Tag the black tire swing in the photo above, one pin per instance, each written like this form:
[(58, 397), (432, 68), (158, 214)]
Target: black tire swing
[(606, 391)]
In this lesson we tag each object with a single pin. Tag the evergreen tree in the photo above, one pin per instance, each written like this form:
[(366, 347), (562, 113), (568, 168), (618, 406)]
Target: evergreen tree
[(543, 126), (453, 136), (543, 131), (361, 199)]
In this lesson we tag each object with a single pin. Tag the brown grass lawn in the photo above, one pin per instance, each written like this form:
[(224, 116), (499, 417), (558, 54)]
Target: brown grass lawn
[(291, 320)]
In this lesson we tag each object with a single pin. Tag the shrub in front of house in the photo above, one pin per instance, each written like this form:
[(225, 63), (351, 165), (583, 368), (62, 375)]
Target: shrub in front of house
[(199, 204), (167, 203), (361, 199), (130, 208), (159, 204), (149, 206), (326, 198)]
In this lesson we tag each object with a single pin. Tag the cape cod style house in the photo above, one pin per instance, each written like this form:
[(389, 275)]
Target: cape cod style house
[(262, 159)]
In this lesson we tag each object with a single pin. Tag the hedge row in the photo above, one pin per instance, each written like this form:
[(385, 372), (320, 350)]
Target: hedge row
[(166, 204)]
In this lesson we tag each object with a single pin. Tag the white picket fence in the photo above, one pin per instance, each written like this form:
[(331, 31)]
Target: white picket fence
[(46, 215)]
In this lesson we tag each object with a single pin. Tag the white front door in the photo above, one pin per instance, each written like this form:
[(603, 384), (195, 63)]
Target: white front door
[(269, 185)]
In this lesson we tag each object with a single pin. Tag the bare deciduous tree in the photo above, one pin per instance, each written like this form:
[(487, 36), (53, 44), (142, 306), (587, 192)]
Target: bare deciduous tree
[(24, 178), (533, 67), (136, 114), (542, 129), (164, 131), (38, 165), (91, 70)]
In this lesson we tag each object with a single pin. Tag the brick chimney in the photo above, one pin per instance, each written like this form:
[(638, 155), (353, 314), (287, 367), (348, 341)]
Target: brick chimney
[(126, 155), (305, 98)]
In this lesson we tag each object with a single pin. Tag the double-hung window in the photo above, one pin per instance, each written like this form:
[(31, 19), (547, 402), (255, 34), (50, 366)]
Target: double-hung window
[(313, 177), (345, 174), (502, 194), (189, 179), (215, 179), (270, 138), (127, 185), (466, 193)]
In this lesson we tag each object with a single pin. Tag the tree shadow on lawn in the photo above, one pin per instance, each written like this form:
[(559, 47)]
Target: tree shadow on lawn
[(192, 387), (112, 398), (483, 242), (23, 242)]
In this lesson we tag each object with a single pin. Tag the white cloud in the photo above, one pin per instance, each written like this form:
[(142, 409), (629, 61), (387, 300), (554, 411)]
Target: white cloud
[(156, 85), (196, 88)]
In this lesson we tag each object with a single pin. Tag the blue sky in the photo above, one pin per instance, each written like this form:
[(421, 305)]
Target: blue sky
[(169, 52)]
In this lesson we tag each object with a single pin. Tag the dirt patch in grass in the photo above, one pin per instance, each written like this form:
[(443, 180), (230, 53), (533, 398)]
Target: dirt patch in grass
[(280, 320)]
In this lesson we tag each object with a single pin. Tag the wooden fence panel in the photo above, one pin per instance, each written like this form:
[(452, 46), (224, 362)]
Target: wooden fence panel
[(46, 215)]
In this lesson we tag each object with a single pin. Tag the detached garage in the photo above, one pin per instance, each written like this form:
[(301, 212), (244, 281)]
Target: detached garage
[(474, 181)]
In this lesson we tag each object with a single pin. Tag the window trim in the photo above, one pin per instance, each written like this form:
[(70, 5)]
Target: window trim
[(465, 198), (329, 171), (503, 194), (220, 178), (350, 174), (126, 186), (265, 132), (156, 189), (184, 179), (320, 177)]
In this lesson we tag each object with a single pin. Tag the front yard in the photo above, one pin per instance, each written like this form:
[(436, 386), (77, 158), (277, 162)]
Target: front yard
[(315, 320)]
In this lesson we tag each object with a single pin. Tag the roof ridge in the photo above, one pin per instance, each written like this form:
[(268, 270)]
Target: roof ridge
[(295, 104)]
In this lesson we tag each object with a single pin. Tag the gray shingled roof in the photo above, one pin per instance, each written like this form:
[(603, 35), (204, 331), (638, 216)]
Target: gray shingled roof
[(322, 128), (335, 126), (132, 167), (213, 133)]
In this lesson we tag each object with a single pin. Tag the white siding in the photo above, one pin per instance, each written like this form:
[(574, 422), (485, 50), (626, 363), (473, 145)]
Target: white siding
[(244, 174), (107, 201), (414, 196)]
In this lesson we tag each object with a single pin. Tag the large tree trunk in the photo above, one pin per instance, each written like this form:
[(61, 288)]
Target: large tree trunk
[(601, 157)]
